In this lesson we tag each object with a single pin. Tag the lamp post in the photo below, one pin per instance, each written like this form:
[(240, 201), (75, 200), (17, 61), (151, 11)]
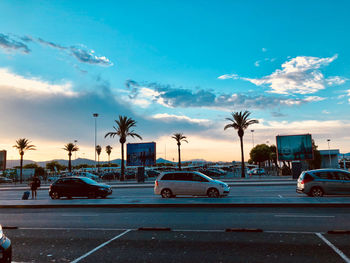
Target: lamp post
[(252, 137), (75, 152), (95, 115), (329, 154)]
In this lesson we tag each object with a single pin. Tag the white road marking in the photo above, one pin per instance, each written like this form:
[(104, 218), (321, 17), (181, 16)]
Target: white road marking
[(100, 246), (288, 232), (338, 251), (280, 196), (74, 228), (304, 216)]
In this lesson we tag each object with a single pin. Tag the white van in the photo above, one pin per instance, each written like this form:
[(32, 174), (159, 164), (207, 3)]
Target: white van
[(170, 184)]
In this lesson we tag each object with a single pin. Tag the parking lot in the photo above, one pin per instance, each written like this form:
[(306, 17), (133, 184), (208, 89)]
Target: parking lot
[(132, 245)]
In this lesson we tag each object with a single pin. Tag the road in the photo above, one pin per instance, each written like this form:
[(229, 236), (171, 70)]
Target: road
[(198, 234), (236, 191)]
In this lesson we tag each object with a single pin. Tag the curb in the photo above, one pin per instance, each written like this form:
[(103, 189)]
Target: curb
[(178, 205)]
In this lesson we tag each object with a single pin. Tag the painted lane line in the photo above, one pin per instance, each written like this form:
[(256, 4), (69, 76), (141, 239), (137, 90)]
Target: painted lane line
[(280, 196), (100, 246), (304, 216), (74, 228), (338, 251)]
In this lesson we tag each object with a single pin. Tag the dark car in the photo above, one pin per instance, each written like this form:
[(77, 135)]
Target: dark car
[(152, 173), (78, 187), (5, 180), (5, 248), (110, 176)]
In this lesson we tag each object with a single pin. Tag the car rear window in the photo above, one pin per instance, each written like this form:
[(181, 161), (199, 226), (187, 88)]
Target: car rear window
[(168, 177), (327, 175)]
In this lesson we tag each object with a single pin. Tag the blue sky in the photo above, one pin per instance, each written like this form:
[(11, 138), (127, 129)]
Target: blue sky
[(173, 66)]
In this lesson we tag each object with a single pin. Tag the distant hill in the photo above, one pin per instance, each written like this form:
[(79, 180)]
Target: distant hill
[(12, 163)]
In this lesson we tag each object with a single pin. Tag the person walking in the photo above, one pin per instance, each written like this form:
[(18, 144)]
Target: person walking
[(34, 185)]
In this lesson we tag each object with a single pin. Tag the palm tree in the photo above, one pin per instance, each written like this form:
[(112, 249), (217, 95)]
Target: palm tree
[(123, 130), (70, 147), (109, 151), (23, 145), (98, 151), (240, 122), (179, 137)]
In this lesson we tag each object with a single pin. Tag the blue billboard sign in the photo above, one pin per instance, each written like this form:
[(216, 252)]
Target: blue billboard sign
[(141, 154), (294, 147)]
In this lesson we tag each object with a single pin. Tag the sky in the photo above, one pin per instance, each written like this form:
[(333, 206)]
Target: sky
[(173, 66)]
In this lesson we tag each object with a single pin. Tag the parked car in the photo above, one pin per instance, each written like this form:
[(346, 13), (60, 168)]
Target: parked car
[(323, 182), (88, 175), (78, 187), (152, 173), (110, 176), (257, 171), (170, 184), (5, 248), (5, 180), (211, 172)]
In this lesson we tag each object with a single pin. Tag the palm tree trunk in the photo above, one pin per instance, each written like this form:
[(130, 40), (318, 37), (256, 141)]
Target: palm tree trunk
[(178, 149), (242, 156), (70, 163), (21, 167), (122, 170)]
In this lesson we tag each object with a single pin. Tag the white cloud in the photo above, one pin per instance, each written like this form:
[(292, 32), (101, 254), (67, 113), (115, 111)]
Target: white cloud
[(263, 49), (314, 98), (229, 76), (325, 112), (257, 63), (299, 75), (9, 80), (167, 116)]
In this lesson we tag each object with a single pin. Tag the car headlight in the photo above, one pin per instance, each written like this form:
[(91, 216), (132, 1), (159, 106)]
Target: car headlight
[(102, 188), (223, 185)]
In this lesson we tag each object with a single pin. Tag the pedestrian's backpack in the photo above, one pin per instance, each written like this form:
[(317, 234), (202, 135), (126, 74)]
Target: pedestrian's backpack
[(25, 195)]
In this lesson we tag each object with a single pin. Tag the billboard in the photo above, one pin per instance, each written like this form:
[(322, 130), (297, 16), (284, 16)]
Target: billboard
[(141, 154), (294, 147), (3, 160)]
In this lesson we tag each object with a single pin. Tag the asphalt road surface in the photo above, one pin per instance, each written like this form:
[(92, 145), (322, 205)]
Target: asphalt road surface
[(198, 234), (236, 191)]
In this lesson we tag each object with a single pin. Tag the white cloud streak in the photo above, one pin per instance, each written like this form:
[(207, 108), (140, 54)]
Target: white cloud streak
[(299, 75), (9, 80)]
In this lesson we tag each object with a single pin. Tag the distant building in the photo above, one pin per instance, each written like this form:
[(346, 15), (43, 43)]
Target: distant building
[(329, 158)]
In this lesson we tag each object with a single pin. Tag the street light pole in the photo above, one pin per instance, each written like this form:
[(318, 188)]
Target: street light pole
[(252, 137), (75, 153), (95, 115), (329, 154)]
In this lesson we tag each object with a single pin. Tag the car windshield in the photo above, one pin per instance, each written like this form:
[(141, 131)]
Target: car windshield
[(88, 180)]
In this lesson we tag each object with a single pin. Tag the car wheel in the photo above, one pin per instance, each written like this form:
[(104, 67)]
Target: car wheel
[(213, 193), (316, 192), (55, 195), (166, 193)]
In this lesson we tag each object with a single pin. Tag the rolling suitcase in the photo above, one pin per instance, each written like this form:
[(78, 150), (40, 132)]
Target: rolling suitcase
[(25, 195)]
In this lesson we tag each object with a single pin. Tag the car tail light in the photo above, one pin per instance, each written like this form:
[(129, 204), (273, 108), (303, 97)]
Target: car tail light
[(156, 182), (307, 180)]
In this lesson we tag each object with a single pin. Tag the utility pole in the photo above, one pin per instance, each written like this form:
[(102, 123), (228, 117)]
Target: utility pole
[(95, 115), (329, 154)]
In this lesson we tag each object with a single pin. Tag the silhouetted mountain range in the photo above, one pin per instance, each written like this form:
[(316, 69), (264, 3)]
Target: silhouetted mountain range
[(78, 161)]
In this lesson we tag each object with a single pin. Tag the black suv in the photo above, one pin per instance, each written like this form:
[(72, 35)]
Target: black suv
[(78, 187)]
